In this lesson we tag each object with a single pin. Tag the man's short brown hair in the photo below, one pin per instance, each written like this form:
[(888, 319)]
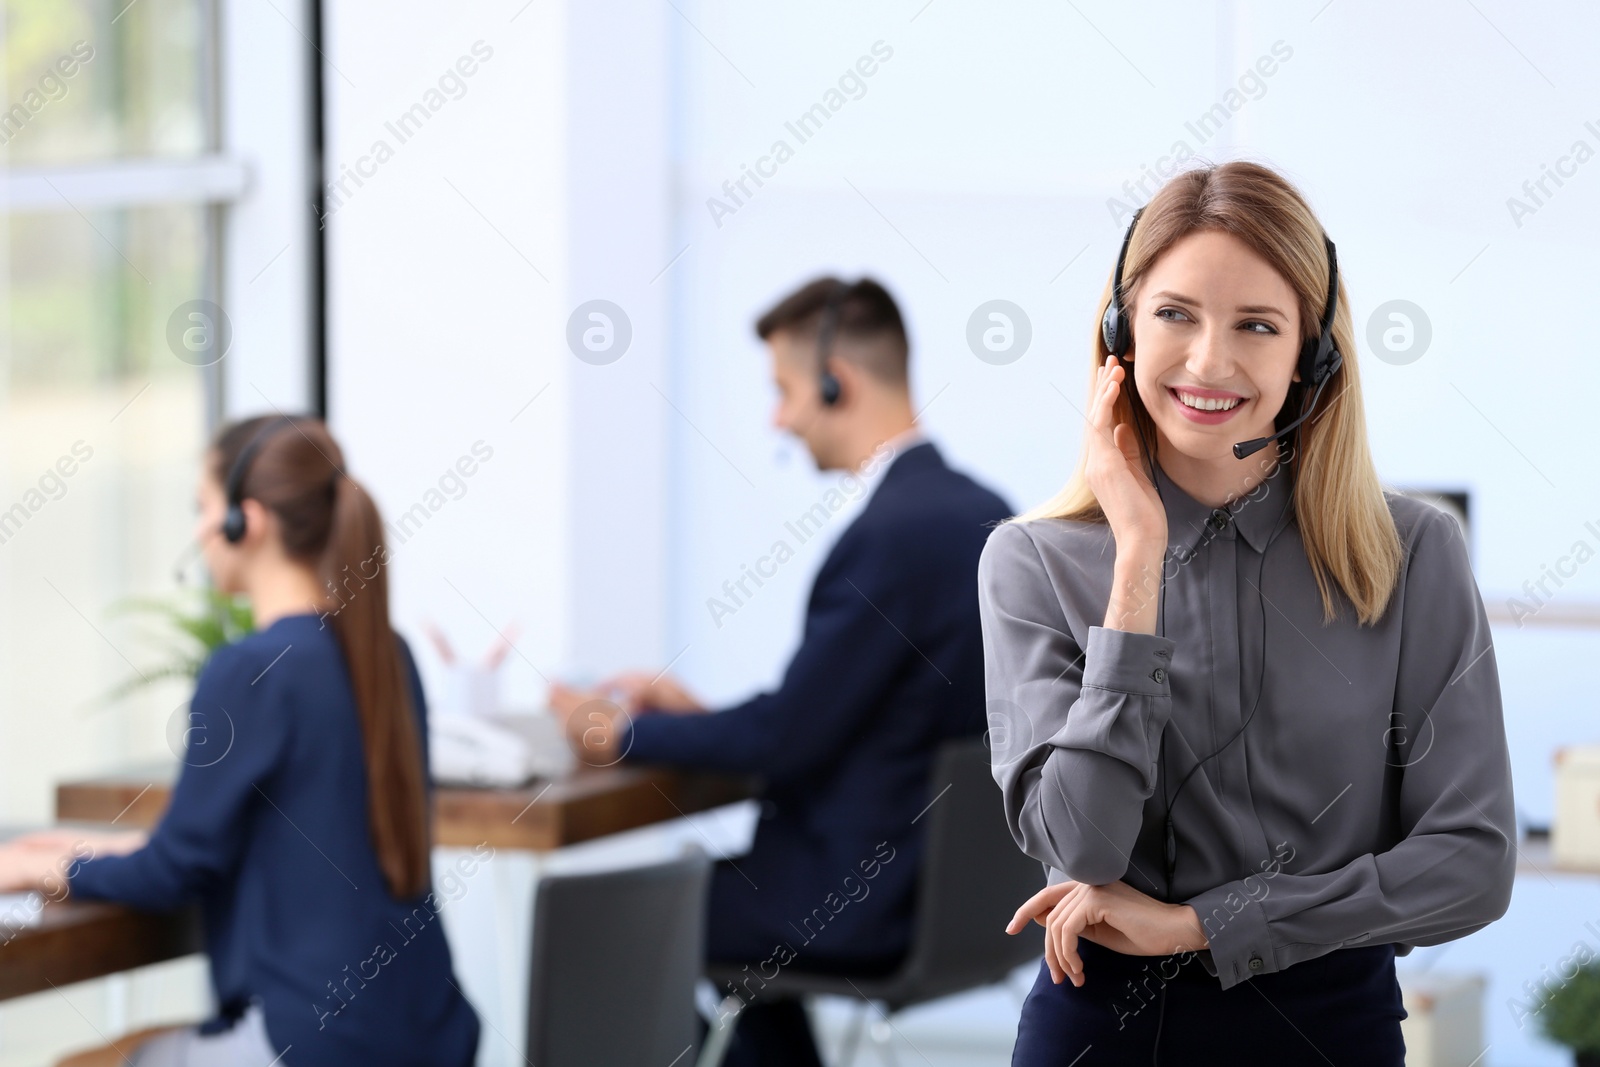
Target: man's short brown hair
[(866, 313)]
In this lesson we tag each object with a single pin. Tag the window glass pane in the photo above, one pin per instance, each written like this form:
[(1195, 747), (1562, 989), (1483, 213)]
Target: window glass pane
[(103, 402), (89, 80), (101, 426)]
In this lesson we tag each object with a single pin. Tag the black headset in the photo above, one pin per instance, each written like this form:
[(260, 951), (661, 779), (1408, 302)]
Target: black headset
[(1318, 360), (1319, 357), (827, 382), (233, 523)]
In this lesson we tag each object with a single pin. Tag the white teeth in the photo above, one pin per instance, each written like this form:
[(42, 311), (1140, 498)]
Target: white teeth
[(1205, 404)]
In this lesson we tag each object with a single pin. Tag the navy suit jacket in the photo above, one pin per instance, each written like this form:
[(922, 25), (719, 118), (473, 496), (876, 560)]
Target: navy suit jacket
[(890, 665)]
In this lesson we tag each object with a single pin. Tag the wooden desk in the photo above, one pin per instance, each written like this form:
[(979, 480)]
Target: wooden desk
[(74, 942), (591, 803), (77, 941)]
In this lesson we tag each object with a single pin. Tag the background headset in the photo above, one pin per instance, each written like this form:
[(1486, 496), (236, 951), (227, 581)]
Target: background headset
[(1318, 360), (234, 523), (827, 382)]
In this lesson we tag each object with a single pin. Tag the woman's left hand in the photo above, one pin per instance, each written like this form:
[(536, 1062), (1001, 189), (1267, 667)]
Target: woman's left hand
[(1115, 915), (87, 842), (41, 860)]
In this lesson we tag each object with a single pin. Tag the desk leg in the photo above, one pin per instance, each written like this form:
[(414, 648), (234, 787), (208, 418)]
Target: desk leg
[(116, 1005), (513, 907), (487, 922)]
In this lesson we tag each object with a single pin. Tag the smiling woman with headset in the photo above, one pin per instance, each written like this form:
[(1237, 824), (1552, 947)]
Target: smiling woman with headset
[(1266, 635), (299, 821)]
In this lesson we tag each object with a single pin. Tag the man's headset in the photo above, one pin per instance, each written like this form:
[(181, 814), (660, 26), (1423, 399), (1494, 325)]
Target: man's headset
[(234, 523), (1318, 360), (827, 329)]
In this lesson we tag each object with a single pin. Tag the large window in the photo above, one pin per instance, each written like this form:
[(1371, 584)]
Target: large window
[(112, 224), (140, 191)]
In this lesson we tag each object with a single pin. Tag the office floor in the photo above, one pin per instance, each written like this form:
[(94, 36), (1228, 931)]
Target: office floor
[(971, 1030)]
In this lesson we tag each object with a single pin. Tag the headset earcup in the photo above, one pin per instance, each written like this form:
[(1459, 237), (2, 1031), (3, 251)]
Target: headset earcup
[(233, 524), (1114, 330), (1307, 363), (830, 388), (1317, 363)]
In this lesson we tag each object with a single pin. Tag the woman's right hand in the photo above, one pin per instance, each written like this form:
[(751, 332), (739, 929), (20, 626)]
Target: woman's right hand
[(1117, 474)]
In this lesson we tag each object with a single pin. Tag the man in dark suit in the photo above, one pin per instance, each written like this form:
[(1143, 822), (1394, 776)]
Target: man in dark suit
[(889, 666)]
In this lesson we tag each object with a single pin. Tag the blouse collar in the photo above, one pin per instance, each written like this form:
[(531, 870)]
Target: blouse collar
[(1191, 524)]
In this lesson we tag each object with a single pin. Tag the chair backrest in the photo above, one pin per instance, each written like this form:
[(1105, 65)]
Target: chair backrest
[(615, 958), (973, 879)]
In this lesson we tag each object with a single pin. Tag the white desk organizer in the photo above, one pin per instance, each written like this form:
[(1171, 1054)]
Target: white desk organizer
[(1444, 1024), (1575, 834)]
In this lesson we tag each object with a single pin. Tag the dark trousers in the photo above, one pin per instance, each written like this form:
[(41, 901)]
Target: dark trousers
[(743, 927), (773, 1031), (1339, 1009), (771, 1034)]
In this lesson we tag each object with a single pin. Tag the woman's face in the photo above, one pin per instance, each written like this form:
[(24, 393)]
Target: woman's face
[(1214, 324), (222, 559)]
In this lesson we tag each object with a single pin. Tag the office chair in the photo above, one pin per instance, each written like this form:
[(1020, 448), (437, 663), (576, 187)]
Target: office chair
[(972, 880), (616, 955)]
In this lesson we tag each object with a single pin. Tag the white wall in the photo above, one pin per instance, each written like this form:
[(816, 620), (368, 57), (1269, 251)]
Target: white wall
[(978, 165), (453, 272), (534, 186), (268, 240)]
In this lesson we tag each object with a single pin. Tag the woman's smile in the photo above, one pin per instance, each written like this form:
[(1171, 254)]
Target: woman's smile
[(1208, 410)]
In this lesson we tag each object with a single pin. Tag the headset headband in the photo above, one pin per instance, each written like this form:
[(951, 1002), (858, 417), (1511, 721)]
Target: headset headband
[(1318, 357), (233, 523), (826, 329)]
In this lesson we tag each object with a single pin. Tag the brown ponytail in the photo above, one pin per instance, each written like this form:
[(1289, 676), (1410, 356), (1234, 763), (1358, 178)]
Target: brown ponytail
[(330, 522)]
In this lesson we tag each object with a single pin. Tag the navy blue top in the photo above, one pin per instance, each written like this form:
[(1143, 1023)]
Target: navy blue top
[(890, 665), (268, 831)]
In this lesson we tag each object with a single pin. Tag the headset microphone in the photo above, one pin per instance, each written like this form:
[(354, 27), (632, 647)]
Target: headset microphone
[(1245, 448), (180, 569)]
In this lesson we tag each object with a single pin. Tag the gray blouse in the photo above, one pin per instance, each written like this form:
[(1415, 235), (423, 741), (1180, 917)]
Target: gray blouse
[(1369, 799)]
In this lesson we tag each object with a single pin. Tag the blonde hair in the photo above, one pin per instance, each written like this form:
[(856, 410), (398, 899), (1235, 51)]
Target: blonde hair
[(1345, 523)]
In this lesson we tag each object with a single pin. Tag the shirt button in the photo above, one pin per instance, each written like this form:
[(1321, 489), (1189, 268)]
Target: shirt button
[(1159, 674), (1255, 963)]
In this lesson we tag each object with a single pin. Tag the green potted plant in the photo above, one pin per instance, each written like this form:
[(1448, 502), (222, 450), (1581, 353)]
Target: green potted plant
[(194, 624), (1569, 1014)]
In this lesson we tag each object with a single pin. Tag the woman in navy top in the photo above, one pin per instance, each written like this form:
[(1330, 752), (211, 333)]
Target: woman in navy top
[(300, 820)]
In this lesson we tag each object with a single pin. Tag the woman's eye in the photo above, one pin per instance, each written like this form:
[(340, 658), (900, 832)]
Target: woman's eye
[(1267, 328)]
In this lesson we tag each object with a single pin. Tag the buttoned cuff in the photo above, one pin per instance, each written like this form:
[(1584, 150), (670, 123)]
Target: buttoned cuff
[(1236, 927), (1128, 662)]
